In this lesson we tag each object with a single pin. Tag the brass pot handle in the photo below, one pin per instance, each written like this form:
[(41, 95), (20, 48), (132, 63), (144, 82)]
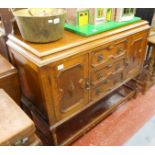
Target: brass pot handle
[(29, 11)]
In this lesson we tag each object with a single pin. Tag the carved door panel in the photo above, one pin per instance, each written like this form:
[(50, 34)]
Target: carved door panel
[(136, 53), (72, 85)]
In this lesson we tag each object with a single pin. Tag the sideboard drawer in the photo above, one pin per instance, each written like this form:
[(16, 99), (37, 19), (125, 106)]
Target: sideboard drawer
[(119, 65), (101, 73), (116, 78), (120, 48), (112, 81), (103, 54), (101, 89)]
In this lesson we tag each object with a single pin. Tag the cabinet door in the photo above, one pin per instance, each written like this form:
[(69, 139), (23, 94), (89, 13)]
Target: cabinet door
[(70, 86), (136, 53)]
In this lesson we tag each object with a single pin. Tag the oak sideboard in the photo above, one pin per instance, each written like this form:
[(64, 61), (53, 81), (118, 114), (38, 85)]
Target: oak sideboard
[(63, 82)]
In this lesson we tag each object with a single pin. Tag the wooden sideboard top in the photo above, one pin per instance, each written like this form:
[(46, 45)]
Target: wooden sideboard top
[(39, 53), (70, 39)]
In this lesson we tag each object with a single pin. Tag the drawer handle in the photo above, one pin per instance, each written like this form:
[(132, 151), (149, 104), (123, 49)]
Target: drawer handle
[(98, 91), (120, 50), (110, 47), (99, 57), (109, 66), (99, 76), (120, 55)]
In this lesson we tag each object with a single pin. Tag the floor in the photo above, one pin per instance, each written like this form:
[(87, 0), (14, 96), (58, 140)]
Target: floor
[(133, 123), (145, 136)]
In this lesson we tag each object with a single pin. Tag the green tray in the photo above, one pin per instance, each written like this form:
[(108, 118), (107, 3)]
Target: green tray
[(91, 29)]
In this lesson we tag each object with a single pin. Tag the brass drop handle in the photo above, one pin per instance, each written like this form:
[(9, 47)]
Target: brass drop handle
[(99, 75), (100, 57), (120, 50), (109, 66), (110, 47), (98, 91), (29, 11)]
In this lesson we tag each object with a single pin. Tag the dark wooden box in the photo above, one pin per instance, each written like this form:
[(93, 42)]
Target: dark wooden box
[(16, 128)]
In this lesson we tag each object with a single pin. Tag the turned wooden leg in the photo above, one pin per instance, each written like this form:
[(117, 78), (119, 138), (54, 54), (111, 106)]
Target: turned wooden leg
[(153, 56), (150, 75)]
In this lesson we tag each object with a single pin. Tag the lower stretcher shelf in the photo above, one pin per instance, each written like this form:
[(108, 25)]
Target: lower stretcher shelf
[(69, 131), (87, 119)]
